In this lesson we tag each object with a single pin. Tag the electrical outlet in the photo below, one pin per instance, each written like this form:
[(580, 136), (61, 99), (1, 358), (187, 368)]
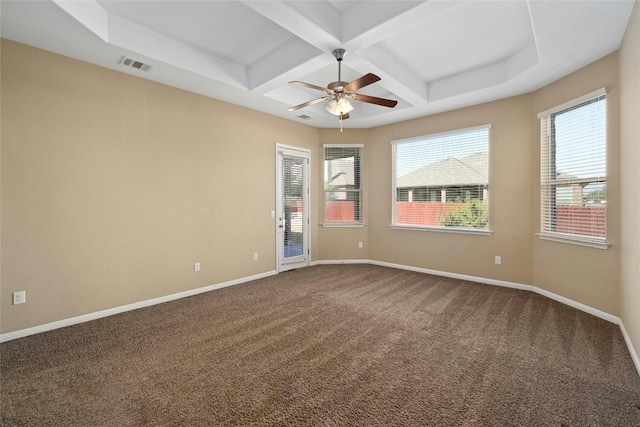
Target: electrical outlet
[(196, 266), (360, 245), (255, 256), (498, 259), (19, 297)]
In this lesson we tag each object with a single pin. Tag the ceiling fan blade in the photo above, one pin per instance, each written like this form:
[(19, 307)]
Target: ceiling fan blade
[(306, 104), (345, 116), (309, 85), (363, 81), (375, 100)]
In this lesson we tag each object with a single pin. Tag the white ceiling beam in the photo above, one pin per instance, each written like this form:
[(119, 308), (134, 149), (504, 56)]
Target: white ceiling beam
[(287, 62), (360, 27), (309, 29), (365, 26), (469, 81), (135, 38), (321, 14), (396, 77), (369, 23), (522, 60), (314, 25), (88, 13)]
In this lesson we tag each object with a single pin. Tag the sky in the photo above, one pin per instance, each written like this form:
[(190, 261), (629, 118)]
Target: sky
[(581, 146), (417, 153)]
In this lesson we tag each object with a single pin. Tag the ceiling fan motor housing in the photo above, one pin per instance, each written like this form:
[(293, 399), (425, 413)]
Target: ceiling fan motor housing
[(337, 86)]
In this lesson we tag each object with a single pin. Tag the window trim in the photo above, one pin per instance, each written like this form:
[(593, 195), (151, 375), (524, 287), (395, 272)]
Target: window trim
[(353, 224), (598, 243), (454, 230), (576, 101), (428, 228), (568, 238)]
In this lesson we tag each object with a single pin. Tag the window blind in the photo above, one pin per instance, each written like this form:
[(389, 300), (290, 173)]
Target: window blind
[(343, 184), (294, 205), (442, 180), (573, 169)]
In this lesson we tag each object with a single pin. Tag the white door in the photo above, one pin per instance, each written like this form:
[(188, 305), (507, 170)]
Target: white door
[(292, 201)]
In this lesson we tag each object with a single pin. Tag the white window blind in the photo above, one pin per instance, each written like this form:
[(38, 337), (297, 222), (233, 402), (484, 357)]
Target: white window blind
[(343, 184), (442, 180), (295, 204), (573, 170)]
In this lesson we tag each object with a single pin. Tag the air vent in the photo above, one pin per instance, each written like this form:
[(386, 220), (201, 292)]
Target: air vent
[(304, 117), (129, 62)]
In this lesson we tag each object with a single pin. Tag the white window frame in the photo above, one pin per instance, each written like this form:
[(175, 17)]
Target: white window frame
[(546, 231), (360, 208), (460, 230)]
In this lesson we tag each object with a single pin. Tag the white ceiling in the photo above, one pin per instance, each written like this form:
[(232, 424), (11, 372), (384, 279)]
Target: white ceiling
[(432, 56)]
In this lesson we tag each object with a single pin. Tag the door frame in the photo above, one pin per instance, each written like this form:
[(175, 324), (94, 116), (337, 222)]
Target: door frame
[(304, 153)]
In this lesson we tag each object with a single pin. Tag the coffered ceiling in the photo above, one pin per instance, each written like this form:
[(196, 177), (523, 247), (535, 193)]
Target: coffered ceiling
[(432, 56)]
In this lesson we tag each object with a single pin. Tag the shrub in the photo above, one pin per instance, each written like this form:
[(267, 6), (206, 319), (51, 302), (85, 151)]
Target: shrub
[(473, 213)]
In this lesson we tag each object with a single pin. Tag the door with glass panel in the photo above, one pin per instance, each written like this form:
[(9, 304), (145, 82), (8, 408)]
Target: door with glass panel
[(292, 214)]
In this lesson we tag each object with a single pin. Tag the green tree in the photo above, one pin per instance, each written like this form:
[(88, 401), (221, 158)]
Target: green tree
[(598, 195), (473, 213)]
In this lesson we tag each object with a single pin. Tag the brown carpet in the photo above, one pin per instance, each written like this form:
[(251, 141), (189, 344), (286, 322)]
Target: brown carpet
[(335, 345)]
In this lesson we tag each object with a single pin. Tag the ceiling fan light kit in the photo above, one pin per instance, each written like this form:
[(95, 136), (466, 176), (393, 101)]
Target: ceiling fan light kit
[(339, 107), (338, 93)]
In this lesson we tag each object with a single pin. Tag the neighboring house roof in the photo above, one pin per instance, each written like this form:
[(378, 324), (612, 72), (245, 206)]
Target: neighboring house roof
[(563, 175), (470, 170)]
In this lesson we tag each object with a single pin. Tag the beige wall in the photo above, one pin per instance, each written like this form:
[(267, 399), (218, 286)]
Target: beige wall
[(113, 186), (510, 174), (586, 275), (630, 178)]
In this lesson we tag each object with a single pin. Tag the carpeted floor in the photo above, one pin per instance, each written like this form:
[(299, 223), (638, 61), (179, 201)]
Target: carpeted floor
[(331, 345)]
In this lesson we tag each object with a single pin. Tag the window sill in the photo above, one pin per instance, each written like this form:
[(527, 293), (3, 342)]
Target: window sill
[(573, 241), (481, 232), (342, 224)]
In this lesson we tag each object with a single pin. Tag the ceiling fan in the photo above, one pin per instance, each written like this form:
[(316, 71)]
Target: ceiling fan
[(338, 93)]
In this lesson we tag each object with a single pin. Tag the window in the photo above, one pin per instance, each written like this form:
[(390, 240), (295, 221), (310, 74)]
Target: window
[(573, 168), (343, 184), (441, 181)]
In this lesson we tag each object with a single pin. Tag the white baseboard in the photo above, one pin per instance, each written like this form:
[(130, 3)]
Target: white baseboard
[(632, 351), (121, 309), (601, 314), (571, 303), (455, 275), (116, 310), (595, 312), (341, 261)]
